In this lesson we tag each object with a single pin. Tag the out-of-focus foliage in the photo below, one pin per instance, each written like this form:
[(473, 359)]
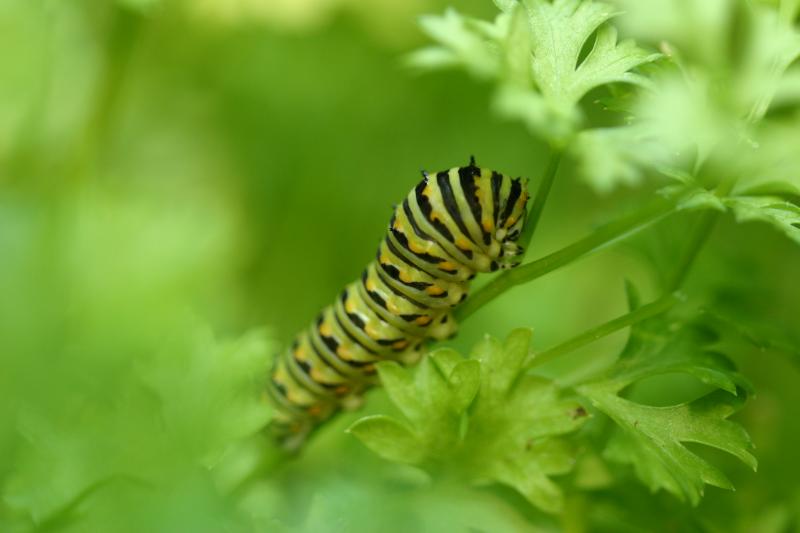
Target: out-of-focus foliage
[(176, 176), (711, 104), (706, 102), (534, 50)]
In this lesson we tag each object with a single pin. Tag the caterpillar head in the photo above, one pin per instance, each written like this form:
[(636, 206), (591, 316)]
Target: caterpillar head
[(509, 230)]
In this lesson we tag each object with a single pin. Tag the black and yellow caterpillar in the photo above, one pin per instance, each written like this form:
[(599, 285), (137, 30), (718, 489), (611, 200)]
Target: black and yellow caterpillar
[(449, 227)]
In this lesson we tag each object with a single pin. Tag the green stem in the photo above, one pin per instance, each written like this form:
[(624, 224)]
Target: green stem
[(697, 240), (542, 193), (612, 326), (601, 238)]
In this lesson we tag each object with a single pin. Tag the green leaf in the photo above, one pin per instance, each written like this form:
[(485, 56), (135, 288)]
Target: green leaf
[(506, 5), (514, 435), (170, 420), (532, 51), (462, 43), (609, 61), (388, 438), (652, 438), (219, 391), (775, 45), (612, 157), (770, 164), (479, 419), (782, 215), (712, 101), (465, 379), (500, 365), (558, 32), (433, 398), (689, 193), (529, 473), (652, 441), (399, 385), (759, 332)]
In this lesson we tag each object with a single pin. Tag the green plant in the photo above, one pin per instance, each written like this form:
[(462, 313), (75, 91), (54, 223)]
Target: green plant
[(706, 125), (155, 189)]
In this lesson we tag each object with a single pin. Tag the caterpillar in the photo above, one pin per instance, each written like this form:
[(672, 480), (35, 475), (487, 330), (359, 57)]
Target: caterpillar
[(450, 226)]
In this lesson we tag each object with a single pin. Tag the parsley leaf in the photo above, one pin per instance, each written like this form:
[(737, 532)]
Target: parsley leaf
[(610, 157), (771, 165), (782, 215), (480, 418), (653, 439), (533, 51), (170, 421), (691, 116)]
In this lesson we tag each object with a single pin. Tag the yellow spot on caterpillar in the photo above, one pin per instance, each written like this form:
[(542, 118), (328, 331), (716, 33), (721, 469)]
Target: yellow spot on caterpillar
[(349, 306), (415, 247), (487, 225), (294, 396), (510, 222), (463, 243), (447, 265), (344, 352), (369, 369), (341, 390), (423, 320), (326, 329), (434, 290), (370, 284), (427, 191), (404, 277), (400, 345), (315, 410)]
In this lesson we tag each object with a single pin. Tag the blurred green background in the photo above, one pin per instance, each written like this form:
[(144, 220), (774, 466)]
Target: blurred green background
[(169, 169)]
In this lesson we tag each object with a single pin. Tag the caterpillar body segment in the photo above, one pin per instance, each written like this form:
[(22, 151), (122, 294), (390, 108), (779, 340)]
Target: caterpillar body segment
[(451, 226)]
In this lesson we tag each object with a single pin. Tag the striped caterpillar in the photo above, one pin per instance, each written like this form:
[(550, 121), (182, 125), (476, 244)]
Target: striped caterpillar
[(449, 227)]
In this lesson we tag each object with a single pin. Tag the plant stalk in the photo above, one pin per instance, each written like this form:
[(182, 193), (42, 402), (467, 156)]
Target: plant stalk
[(542, 194), (697, 240), (598, 240), (612, 326)]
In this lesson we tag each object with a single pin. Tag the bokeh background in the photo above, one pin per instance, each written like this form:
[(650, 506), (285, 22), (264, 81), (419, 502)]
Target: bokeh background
[(184, 184)]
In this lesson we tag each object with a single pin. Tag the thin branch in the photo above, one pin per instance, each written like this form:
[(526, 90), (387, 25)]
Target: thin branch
[(612, 326), (697, 240), (542, 193), (598, 240)]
